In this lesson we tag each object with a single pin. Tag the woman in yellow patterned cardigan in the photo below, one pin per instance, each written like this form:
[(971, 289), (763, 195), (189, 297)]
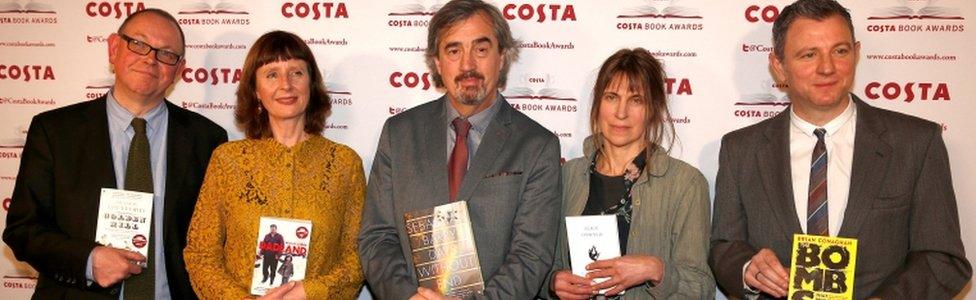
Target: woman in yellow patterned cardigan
[(284, 168)]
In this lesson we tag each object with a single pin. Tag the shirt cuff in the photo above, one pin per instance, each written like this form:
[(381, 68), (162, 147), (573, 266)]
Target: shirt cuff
[(88, 269)]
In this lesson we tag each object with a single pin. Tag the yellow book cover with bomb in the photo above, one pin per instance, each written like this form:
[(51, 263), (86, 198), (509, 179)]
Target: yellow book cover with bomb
[(822, 267)]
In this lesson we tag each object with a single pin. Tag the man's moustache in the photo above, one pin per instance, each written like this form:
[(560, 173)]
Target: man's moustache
[(470, 74)]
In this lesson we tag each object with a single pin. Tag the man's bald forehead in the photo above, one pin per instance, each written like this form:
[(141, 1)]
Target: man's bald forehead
[(156, 12)]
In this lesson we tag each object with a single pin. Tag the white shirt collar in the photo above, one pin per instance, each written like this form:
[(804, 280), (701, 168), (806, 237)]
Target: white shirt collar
[(831, 127)]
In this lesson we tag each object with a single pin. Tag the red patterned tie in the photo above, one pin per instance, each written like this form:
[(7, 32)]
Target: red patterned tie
[(817, 198), (458, 164)]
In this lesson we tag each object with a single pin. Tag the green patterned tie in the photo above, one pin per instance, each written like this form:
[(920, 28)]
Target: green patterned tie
[(138, 177)]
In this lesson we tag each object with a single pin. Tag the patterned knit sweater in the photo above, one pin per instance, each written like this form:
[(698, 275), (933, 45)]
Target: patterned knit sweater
[(317, 180)]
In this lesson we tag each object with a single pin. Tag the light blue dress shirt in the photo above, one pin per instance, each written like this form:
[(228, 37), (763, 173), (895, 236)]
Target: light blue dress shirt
[(120, 133)]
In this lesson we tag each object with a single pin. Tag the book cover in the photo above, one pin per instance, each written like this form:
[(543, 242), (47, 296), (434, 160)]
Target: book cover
[(124, 219), (281, 253), (591, 238), (443, 250), (822, 267)]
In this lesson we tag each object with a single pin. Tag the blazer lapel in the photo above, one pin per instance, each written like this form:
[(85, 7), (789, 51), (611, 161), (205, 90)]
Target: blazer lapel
[(871, 161), (434, 153), (97, 169), (179, 155), (580, 188), (493, 142), (774, 167)]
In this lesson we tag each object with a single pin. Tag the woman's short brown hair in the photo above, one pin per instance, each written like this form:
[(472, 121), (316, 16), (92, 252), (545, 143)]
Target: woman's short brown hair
[(273, 47), (645, 74)]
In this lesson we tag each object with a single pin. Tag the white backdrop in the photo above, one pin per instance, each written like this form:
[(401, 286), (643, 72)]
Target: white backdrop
[(916, 57)]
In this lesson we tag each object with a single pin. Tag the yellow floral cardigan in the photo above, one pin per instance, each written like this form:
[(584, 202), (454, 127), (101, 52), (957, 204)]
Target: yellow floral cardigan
[(317, 180)]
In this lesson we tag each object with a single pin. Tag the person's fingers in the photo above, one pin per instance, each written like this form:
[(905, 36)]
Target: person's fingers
[(606, 284), (575, 279), (132, 255), (769, 286), (772, 262), (601, 273), (428, 293), (615, 290), (132, 269), (753, 278), (601, 264), (770, 267)]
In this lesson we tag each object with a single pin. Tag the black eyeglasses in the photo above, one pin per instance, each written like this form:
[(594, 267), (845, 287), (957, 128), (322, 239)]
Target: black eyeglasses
[(141, 48)]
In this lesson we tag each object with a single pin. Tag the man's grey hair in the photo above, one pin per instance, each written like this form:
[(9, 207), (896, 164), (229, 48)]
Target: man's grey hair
[(811, 9), (457, 11)]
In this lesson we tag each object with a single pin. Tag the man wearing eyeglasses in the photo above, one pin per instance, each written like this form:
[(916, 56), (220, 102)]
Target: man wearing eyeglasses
[(131, 139)]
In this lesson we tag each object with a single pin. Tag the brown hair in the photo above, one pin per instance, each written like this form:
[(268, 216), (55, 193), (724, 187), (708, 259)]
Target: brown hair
[(457, 11), (273, 47), (812, 9), (645, 74)]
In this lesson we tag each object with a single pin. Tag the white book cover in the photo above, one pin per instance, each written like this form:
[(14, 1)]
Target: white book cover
[(281, 254), (124, 219), (591, 238)]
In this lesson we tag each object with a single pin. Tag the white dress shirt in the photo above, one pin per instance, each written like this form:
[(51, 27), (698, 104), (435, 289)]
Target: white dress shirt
[(839, 140)]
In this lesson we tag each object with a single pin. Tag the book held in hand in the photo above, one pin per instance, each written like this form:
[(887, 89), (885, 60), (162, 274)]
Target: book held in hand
[(124, 219), (591, 238), (444, 255), (281, 254), (822, 267)]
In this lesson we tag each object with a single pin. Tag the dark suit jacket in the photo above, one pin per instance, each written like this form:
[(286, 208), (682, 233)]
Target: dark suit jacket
[(66, 161), (901, 206), (512, 189)]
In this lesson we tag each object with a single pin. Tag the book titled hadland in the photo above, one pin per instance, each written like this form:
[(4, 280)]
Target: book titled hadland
[(282, 253), (591, 238), (444, 255), (124, 218), (822, 267)]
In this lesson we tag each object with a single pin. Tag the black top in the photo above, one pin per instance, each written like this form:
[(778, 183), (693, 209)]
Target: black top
[(605, 191), (609, 191)]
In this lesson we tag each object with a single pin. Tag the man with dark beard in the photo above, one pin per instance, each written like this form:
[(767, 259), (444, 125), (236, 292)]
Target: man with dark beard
[(469, 145)]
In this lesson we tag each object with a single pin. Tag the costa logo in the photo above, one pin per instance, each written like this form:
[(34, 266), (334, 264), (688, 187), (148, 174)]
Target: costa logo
[(98, 87), (314, 10), (667, 11), (540, 12), (9, 154), (26, 72), (410, 80), (768, 14), (908, 92), (539, 92), (113, 9), (917, 9), (417, 9), (222, 8), (301, 232), (218, 14), (213, 76), (683, 88), (32, 7)]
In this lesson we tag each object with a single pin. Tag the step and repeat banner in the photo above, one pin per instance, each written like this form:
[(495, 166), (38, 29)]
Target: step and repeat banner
[(917, 57)]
